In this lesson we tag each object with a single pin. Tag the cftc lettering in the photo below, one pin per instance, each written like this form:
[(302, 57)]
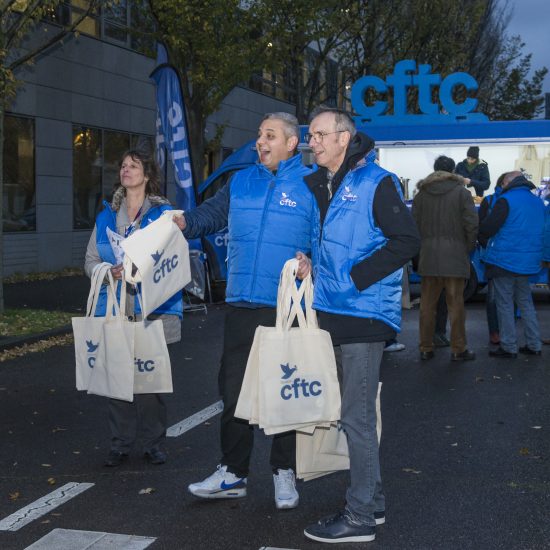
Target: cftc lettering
[(165, 267), (405, 76), (301, 386), (144, 366)]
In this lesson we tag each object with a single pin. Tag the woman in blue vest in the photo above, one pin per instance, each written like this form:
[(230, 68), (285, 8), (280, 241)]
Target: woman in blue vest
[(136, 202)]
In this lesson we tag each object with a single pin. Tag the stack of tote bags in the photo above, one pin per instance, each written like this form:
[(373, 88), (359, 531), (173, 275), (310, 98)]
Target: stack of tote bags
[(291, 381), (116, 357)]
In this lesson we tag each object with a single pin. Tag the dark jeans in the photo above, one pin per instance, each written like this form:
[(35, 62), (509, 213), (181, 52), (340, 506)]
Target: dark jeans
[(441, 315), (237, 435)]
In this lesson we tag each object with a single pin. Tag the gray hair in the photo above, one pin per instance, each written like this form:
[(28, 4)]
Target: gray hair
[(343, 119), (289, 121)]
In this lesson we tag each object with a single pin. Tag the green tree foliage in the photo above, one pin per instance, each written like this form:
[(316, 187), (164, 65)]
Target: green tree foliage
[(307, 39), (510, 93), (214, 45)]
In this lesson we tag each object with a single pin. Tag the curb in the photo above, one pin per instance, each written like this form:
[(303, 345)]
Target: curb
[(13, 342)]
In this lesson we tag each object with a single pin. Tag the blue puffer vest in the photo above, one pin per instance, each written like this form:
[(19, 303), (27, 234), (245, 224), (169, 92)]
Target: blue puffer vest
[(349, 235), (270, 219), (107, 218), (546, 238), (517, 247)]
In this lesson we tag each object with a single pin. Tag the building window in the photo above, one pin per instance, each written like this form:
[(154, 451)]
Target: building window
[(19, 206), (96, 158), (274, 84), (127, 22)]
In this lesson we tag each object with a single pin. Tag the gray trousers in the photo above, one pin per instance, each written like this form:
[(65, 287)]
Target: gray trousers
[(145, 419), (510, 290), (359, 371)]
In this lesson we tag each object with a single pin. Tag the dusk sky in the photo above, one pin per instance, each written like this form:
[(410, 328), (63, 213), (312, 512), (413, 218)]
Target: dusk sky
[(531, 20)]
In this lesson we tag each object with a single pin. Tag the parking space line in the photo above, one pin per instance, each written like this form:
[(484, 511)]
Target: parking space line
[(69, 539), (194, 420), (42, 506)]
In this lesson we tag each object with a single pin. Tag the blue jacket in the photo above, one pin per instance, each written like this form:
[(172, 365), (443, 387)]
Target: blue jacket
[(107, 219), (546, 238), (269, 218), (349, 235), (517, 247)]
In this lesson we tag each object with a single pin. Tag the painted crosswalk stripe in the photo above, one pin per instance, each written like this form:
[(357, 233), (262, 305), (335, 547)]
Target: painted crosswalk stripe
[(68, 539), (194, 420), (42, 506)]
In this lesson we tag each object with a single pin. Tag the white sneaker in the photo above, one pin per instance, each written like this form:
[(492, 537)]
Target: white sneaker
[(221, 484), (396, 346), (286, 495)]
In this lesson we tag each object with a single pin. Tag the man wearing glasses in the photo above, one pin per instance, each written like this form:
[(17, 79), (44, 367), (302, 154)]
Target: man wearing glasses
[(367, 235)]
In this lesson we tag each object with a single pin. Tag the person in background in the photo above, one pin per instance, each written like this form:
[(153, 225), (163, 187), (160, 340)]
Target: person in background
[(269, 211), (135, 204), (474, 171), (485, 209), (447, 221), (365, 236), (513, 237)]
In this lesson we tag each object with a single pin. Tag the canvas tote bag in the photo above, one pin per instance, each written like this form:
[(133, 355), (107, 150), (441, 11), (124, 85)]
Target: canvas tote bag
[(87, 330), (326, 450), (152, 368), (113, 372), (296, 382), (160, 255)]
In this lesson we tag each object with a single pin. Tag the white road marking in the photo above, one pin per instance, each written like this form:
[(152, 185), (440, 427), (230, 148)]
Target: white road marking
[(43, 506), (68, 539), (194, 420), (272, 548)]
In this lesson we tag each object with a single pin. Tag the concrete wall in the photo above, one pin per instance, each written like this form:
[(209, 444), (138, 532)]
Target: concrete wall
[(93, 83)]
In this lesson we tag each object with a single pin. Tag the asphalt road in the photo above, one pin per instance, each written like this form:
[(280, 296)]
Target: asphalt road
[(465, 454)]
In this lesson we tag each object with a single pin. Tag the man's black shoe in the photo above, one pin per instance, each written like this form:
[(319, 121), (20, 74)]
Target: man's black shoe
[(499, 352), (466, 355), (115, 458), (155, 456), (528, 351), (425, 355), (340, 528)]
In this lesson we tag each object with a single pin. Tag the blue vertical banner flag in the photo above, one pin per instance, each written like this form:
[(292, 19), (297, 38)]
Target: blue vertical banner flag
[(172, 132)]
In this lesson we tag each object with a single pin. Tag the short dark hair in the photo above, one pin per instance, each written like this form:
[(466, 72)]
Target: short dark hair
[(150, 169), (444, 164)]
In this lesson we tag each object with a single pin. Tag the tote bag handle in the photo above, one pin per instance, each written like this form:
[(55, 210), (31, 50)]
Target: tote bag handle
[(289, 299)]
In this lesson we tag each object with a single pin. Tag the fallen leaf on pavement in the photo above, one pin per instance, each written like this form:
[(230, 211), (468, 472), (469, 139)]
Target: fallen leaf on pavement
[(51, 480), (454, 444), (147, 491), (46, 465), (524, 451), (536, 427), (412, 471), (58, 429), (14, 496)]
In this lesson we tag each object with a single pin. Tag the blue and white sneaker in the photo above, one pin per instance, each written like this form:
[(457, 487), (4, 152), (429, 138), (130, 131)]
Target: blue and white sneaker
[(286, 495), (221, 484)]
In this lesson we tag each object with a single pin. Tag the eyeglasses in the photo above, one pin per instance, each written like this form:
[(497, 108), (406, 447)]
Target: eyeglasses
[(318, 136)]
